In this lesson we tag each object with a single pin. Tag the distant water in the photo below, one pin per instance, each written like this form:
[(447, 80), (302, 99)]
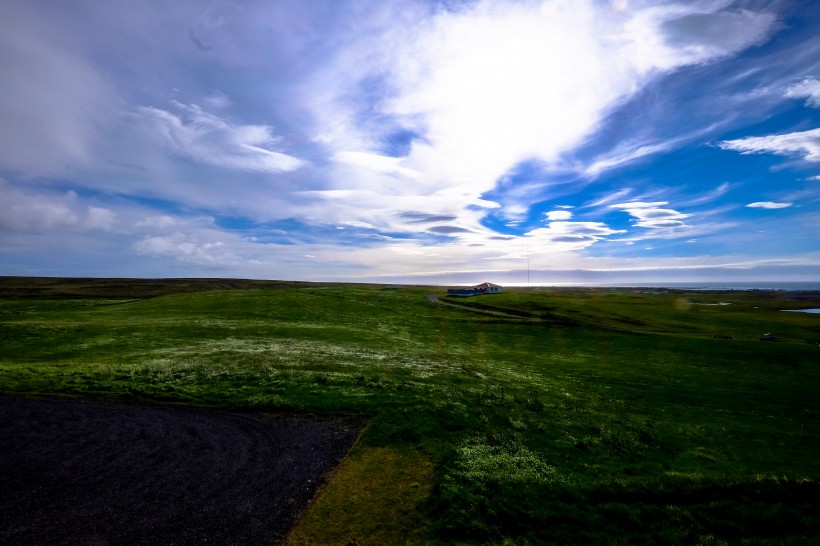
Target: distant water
[(814, 311), (717, 285)]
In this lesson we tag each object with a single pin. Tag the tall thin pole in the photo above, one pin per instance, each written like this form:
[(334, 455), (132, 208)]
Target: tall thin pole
[(528, 263)]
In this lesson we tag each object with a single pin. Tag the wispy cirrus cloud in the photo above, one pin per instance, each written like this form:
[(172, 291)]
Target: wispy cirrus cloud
[(208, 138), (651, 215), (768, 205), (808, 89), (566, 236), (804, 144), (709, 196)]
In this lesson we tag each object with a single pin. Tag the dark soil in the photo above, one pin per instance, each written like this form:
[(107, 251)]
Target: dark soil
[(82, 472)]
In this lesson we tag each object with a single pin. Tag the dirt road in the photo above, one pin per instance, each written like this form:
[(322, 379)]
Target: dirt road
[(435, 298)]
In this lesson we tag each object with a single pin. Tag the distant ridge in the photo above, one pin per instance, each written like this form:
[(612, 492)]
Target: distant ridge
[(128, 288)]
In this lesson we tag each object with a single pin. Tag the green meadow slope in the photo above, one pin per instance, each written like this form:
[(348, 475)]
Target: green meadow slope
[(598, 416)]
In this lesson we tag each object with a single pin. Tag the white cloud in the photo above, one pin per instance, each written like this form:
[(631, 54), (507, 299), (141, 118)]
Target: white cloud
[(710, 196), (218, 100), (608, 198), (768, 205), (804, 143), (633, 150), (650, 215), (626, 153), (157, 222), (99, 218), (359, 225), (489, 84), (379, 163), (43, 212), (214, 140), (559, 215), (808, 89), (566, 236), (188, 249), (697, 32), (639, 205)]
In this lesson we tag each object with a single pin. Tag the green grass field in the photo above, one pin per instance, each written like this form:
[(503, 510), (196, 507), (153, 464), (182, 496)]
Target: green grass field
[(595, 416)]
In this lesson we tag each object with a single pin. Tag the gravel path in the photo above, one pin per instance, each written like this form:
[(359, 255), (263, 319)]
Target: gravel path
[(81, 472), (435, 299)]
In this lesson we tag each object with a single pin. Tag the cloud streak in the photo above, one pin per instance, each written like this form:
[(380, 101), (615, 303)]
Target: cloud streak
[(768, 205), (803, 144), (651, 215), (211, 139)]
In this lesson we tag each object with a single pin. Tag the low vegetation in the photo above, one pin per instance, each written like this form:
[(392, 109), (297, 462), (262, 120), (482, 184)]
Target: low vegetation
[(578, 416)]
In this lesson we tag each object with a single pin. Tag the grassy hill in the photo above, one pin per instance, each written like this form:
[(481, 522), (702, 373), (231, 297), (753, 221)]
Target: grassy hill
[(598, 416)]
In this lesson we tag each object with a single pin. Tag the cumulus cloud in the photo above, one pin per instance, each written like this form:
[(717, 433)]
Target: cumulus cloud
[(99, 218), (160, 222), (215, 140), (188, 249), (25, 211), (650, 215), (559, 215), (805, 144), (768, 205)]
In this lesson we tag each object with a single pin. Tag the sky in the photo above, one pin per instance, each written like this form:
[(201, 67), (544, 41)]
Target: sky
[(420, 142)]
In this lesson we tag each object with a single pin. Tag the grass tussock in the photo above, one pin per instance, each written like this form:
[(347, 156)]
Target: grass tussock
[(376, 496)]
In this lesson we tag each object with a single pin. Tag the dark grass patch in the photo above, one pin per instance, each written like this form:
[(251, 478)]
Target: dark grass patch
[(80, 472)]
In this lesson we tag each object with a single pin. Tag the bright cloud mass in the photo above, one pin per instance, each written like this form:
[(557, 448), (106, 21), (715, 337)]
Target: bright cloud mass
[(410, 141)]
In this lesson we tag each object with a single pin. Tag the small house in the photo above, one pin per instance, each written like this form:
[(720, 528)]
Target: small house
[(483, 288)]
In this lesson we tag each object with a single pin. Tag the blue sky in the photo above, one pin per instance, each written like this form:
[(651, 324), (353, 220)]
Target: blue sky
[(419, 141)]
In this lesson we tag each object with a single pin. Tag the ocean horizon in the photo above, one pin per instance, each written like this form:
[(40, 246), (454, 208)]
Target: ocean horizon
[(788, 286)]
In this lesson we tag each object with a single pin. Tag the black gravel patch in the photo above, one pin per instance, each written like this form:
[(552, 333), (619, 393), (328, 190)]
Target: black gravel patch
[(82, 472)]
